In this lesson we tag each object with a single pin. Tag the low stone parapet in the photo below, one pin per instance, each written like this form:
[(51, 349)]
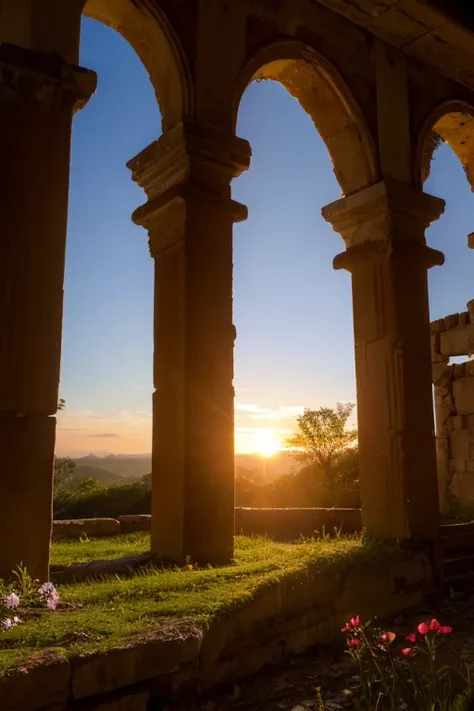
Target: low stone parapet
[(91, 527), (279, 524), (132, 523), (290, 524)]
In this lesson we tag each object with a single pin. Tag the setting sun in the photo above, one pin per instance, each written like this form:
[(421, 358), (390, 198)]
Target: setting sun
[(267, 444)]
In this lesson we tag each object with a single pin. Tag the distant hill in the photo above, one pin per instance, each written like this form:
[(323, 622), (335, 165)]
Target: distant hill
[(115, 468), (102, 475), (121, 466)]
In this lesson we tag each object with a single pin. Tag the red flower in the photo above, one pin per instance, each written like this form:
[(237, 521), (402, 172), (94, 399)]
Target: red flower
[(423, 629), (406, 652), (352, 624), (434, 626), (387, 637), (445, 630), (353, 642), (411, 638)]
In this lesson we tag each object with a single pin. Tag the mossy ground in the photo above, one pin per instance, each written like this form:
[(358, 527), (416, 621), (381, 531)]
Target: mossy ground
[(102, 614)]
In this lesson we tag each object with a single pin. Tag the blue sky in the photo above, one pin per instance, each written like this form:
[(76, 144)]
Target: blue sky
[(293, 315)]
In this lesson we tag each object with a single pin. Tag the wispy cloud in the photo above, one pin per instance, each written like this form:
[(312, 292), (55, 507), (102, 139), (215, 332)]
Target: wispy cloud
[(105, 435)]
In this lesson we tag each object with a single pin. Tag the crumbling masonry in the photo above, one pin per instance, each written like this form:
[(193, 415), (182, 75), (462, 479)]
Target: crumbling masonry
[(454, 406)]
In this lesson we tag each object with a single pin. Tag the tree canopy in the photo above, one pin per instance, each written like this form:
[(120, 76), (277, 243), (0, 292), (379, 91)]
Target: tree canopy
[(323, 437)]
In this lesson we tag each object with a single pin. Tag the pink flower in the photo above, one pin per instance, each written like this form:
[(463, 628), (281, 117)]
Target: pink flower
[(387, 637), (411, 638), (12, 600), (445, 630), (423, 629), (352, 624), (406, 652), (353, 642), (434, 626)]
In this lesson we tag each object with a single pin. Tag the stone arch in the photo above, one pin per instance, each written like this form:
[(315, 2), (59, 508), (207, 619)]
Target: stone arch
[(452, 122), (321, 91), (148, 31)]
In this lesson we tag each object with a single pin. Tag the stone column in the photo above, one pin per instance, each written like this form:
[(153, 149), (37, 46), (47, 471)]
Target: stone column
[(189, 217), (38, 94), (383, 227)]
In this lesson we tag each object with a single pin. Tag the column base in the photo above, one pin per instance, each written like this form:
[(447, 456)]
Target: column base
[(26, 494)]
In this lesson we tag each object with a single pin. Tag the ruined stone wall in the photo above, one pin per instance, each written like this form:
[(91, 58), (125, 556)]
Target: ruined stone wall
[(454, 406)]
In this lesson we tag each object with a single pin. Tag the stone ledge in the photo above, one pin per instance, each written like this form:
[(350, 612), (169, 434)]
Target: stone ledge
[(284, 618), (132, 523), (91, 527), (121, 667)]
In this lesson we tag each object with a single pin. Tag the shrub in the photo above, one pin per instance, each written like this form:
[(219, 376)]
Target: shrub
[(90, 499)]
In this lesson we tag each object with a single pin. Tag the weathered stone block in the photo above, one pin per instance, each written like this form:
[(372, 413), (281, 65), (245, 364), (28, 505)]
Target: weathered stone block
[(457, 341), (220, 634), (459, 444), (459, 370), (441, 374), (458, 422), (135, 522), (442, 416), (124, 666), (437, 326), (463, 319), (462, 486), (411, 572), (451, 321), (470, 465), (463, 391), (363, 586), (74, 528), (444, 474), (260, 611), (470, 368), (457, 465), (323, 586), (295, 594), (44, 683), (470, 304), (247, 661)]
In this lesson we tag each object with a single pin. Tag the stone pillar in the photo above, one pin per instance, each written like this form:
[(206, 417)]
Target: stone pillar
[(38, 94), (189, 217), (383, 227)]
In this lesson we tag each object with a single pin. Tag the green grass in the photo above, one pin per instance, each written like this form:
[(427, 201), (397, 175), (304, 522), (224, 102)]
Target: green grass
[(64, 552), (102, 614)]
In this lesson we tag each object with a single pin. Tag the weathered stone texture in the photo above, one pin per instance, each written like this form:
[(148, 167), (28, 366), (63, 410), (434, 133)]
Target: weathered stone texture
[(134, 522), (91, 527), (454, 406)]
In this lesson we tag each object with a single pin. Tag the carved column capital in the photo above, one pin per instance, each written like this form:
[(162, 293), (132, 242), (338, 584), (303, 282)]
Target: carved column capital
[(382, 219), (33, 76), (190, 152), (190, 165)]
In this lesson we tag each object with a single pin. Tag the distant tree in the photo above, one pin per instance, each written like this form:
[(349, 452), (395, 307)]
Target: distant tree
[(324, 439), (61, 404), (64, 471)]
